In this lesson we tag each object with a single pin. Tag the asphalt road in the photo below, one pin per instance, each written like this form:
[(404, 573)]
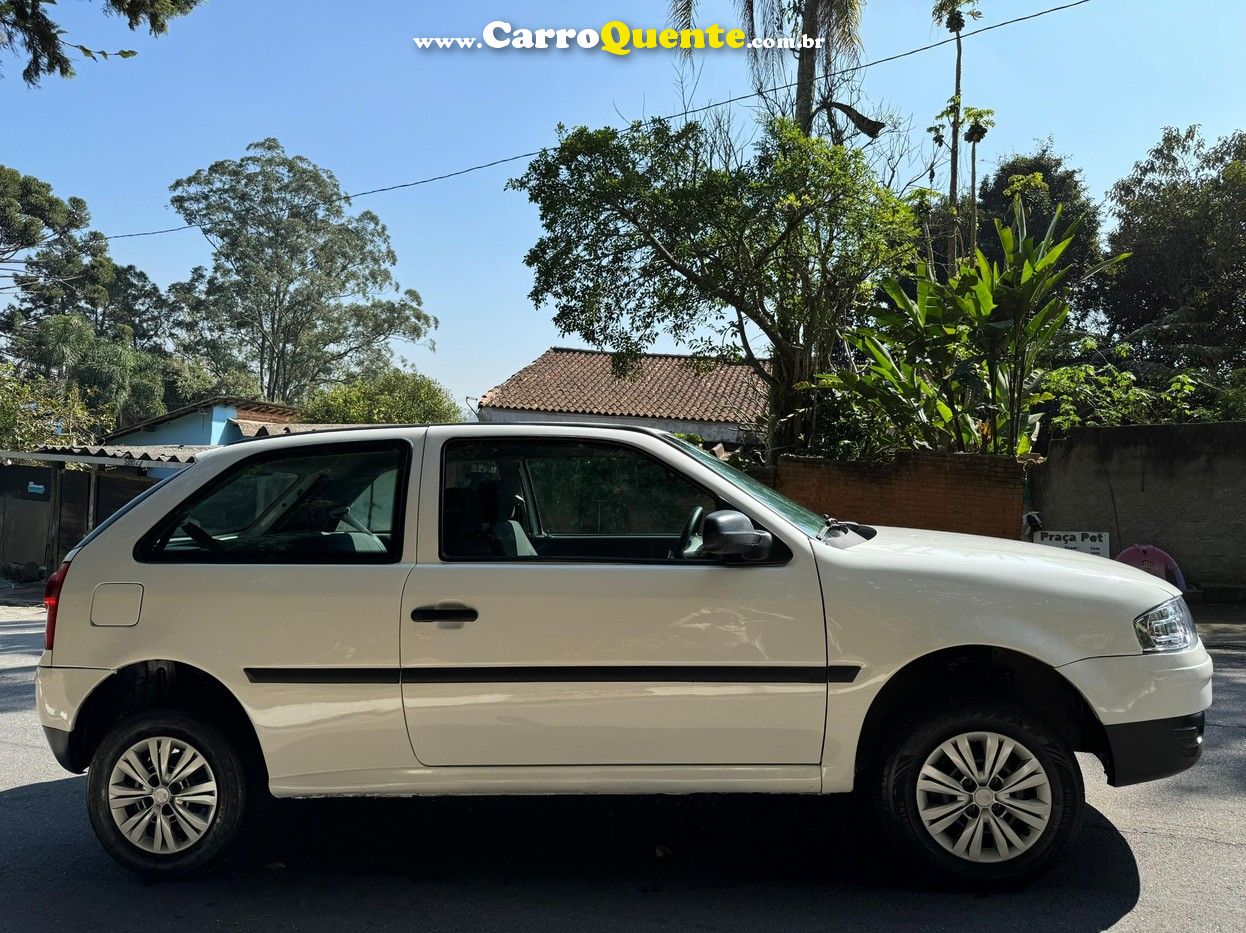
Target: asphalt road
[(1163, 856)]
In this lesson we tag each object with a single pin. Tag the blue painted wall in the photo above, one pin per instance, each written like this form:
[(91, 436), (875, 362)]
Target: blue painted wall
[(209, 426)]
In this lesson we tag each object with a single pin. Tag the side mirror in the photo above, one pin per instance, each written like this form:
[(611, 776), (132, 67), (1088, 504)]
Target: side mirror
[(730, 532)]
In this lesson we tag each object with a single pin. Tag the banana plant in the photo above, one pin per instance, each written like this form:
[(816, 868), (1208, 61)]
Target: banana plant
[(954, 365)]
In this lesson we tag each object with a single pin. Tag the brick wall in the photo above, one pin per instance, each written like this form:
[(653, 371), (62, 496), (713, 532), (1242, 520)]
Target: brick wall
[(944, 492)]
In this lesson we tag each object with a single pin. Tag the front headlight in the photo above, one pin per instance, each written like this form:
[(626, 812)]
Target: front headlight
[(1167, 627)]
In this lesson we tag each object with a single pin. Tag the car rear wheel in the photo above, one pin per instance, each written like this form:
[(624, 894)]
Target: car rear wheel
[(166, 794), (982, 793)]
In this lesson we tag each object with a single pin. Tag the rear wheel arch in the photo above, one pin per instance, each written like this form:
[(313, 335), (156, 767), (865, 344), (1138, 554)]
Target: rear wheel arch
[(163, 684), (970, 672)]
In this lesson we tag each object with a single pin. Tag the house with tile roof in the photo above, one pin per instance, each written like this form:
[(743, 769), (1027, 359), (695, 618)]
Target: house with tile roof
[(720, 402)]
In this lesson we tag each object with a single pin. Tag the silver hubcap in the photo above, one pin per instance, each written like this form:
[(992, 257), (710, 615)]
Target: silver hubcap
[(984, 797), (162, 794)]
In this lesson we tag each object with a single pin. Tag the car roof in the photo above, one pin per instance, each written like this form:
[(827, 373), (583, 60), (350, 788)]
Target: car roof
[(469, 426)]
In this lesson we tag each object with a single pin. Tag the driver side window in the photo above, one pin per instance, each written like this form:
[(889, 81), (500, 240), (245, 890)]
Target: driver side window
[(564, 500)]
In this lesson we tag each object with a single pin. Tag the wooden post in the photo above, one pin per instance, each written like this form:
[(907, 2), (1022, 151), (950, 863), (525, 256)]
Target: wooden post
[(52, 557), (93, 481)]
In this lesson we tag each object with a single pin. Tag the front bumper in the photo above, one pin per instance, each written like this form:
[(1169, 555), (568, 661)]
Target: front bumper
[(1145, 751), (1151, 707), (1139, 688)]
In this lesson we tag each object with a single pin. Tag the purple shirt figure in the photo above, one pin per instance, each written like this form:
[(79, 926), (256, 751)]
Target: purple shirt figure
[(1154, 561)]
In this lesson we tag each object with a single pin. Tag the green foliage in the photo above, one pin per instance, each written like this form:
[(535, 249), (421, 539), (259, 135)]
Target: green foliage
[(393, 396), (951, 13), (31, 215), (1045, 180), (118, 383), (1182, 213), (35, 411), (299, 291), (1085, 395), (48, 258), (660, 229), (26, 23), (1232, 402), (955, 365)]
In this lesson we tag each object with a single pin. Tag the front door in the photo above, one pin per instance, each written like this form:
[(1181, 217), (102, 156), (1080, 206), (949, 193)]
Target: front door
[(560, 614)]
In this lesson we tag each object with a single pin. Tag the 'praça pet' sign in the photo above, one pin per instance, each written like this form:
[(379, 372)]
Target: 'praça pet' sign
[(1088, 542)]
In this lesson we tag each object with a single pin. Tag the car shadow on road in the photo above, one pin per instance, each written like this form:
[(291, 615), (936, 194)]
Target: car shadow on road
[(724, 863)]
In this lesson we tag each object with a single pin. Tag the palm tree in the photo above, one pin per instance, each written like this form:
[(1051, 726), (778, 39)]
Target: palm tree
[(836, 22), (951, 14), (978, 122)]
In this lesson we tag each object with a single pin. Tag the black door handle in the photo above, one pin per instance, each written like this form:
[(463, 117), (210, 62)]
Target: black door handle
[(444, 614)]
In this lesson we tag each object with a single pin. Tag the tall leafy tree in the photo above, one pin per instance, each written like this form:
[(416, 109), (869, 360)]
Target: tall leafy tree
[(1181, 299), (45, 244), (28, 31), (133, 301), (664, 230), (300, 292)]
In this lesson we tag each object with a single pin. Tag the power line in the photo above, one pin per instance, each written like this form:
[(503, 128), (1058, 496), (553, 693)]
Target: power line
[(761, 92)]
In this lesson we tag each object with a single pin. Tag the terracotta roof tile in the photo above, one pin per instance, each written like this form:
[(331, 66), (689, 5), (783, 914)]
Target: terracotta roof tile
[(667, 386)]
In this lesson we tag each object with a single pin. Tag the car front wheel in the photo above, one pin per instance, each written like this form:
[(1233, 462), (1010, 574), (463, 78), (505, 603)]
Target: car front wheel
[(982, 793), (166, 794)]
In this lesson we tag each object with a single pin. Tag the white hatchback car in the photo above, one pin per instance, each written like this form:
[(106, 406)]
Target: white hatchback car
[(565, 608)]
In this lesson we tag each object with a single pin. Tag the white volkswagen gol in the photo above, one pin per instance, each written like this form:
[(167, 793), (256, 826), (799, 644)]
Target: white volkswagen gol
[(580, 609)]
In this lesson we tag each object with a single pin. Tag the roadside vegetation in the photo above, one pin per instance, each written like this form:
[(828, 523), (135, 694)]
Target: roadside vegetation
[(892, 287)]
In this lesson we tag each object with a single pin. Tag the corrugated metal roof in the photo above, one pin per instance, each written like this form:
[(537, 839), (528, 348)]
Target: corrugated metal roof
[(159, 453), (666, 386)]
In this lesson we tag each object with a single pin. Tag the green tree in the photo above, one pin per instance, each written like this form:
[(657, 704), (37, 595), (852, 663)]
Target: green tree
[(394, 396), (44, 43), (33, 411), (299, 292), (132, 300), (1045, 180), (118, 383), (667, 230), (46, 251), (1181, 300)]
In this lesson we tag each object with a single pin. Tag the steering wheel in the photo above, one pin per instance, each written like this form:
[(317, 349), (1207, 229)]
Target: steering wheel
[(690, 529), (201, 537)]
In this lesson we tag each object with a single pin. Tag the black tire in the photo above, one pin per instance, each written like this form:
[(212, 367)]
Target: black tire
[(225, 826), (897, 796)]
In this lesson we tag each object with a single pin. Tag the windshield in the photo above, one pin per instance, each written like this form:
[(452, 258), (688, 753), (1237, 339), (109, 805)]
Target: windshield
[(807, 521)]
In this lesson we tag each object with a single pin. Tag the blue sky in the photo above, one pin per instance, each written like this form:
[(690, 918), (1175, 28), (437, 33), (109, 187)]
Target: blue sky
[(350, 91)]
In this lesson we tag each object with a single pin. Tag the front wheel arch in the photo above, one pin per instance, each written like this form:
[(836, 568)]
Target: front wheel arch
[(966, 672)]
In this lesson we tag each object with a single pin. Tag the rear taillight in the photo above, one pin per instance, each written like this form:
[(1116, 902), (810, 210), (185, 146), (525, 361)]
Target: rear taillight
[(52, 596)]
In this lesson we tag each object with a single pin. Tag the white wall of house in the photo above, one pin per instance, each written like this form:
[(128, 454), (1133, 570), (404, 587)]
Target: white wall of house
[(712, 431)]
